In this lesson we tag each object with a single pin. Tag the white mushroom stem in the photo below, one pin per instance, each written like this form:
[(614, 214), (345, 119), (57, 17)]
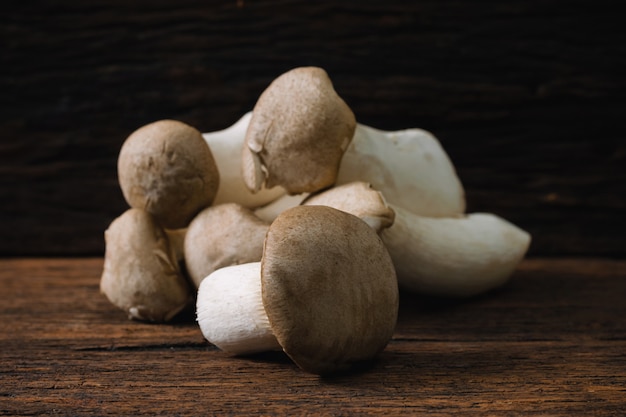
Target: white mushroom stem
[(409, 166), (457, 257), (226, 146), (230, 311)]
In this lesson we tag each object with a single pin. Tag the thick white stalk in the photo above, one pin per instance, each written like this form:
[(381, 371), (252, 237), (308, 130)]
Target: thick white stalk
[(457, 257), (409, 167), (230, 311), (226, 146)]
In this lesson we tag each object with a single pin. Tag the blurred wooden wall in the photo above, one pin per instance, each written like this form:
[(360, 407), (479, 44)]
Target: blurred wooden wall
[(527, 97)]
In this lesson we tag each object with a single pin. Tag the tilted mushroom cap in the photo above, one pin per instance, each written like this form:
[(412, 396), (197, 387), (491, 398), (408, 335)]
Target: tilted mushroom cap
[(329, 288), (298, 133), (357, 198), (220, 236), (141, 274), (167, 169)]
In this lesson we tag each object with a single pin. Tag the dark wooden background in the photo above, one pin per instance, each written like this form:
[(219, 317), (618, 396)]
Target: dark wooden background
[(527, 97)]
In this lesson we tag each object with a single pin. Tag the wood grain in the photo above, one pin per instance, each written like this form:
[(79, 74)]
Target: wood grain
[(550, 342), (526, 97)]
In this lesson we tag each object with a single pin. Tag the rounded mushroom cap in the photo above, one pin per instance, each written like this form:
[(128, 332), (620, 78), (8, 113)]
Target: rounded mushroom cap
[(167, 169), (298, 133), (329, 288), (220, 236), (141, 274)]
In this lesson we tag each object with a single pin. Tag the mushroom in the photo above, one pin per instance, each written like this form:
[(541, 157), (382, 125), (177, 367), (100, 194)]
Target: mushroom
[(453, 257), (226, 146), (141, 274), (325, 293), (220, 236), (167, 169), (298, 133), (409, 166)]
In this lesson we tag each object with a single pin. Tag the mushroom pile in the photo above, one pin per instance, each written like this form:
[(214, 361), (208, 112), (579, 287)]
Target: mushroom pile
[(296, 228)]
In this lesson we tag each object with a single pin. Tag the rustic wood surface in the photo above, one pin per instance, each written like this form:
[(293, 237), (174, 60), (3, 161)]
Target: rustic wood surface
[(526, 97), (550, 342)]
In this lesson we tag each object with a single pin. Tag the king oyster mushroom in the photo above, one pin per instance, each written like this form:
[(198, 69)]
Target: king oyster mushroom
[(325, 293)]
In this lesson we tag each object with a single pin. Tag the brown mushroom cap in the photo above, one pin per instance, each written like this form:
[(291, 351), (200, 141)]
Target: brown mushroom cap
[(167, 169), (220, 236), (329, 288), (141, 274), (357, 198), (298, 133)]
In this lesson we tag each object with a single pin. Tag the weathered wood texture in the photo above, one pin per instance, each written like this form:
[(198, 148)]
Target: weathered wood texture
[(527, 97), (551, 342)]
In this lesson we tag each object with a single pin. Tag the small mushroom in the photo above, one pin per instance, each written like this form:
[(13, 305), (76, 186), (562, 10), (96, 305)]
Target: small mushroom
[(298, 133), (359, 199), (226, 146), (141, 274), (453, 257), (325, 293), (220, 236), (167, 169)]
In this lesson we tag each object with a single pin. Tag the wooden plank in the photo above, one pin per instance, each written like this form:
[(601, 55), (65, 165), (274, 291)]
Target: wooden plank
[(526, 97), (550, 342)]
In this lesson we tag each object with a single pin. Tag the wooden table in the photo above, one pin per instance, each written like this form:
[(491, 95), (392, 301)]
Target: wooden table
[(551, 342)]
